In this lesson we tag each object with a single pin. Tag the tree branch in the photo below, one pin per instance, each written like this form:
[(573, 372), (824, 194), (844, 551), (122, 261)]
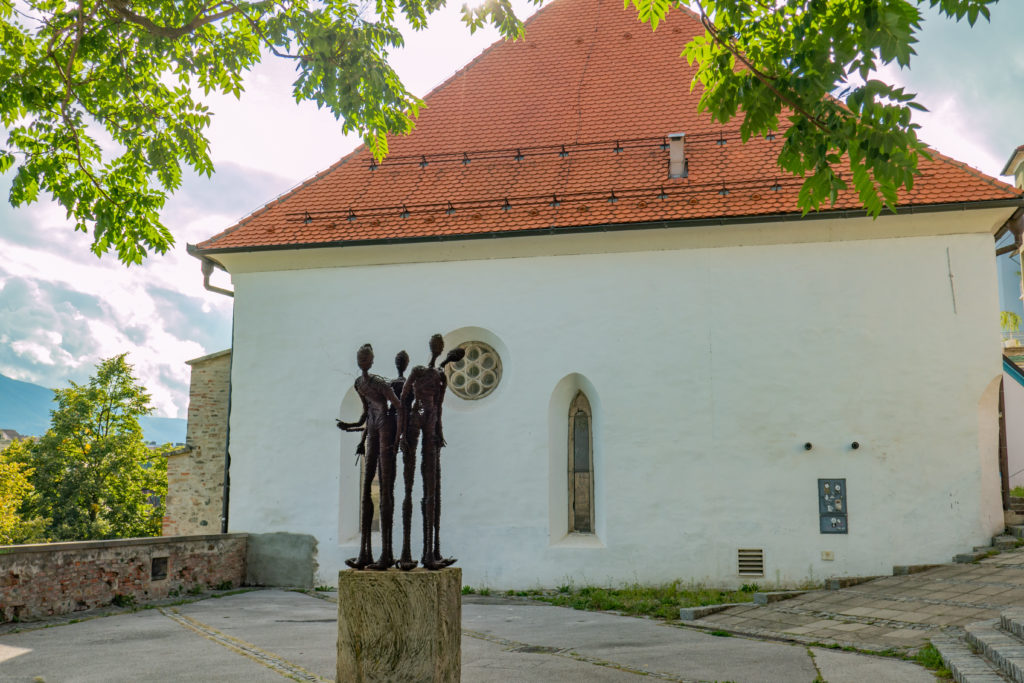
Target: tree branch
[(763, 77), (120, 7)]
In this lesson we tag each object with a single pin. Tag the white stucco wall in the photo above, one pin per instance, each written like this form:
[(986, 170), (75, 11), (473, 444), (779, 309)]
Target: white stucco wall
[(707, 369)]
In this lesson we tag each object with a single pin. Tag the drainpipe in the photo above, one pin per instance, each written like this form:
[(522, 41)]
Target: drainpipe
[(226, 486), (208, 265)]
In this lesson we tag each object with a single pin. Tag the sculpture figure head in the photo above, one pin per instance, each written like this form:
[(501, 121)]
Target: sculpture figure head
[(364, 357), (436, 347), (401, 362)]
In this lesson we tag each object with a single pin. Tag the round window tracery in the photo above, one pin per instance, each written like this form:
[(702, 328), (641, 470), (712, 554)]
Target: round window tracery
[(476, 375)]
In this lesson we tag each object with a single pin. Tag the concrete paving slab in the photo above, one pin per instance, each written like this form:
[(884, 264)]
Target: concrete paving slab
[(642, 644), (293, 626), (842, 667), (144, 646), (486, 662)]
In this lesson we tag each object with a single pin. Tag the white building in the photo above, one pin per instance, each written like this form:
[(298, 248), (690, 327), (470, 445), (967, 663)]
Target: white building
[(729, 354)]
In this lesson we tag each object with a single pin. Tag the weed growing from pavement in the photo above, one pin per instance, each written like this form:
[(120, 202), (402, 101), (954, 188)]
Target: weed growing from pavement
[(929, 658), (661, 601), (325, 589), (720, 633), (121, 600)]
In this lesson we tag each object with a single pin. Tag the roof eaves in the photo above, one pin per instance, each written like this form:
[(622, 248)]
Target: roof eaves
[(619, 227)]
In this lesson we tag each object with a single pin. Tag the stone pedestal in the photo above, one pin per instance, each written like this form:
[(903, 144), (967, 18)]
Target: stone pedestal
[(400, 626)]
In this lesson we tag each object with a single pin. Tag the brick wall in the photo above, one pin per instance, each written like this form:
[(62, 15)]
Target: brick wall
[(195, 477), (57, 578)]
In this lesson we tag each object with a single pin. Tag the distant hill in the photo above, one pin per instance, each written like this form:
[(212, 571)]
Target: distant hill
[(25, 408)]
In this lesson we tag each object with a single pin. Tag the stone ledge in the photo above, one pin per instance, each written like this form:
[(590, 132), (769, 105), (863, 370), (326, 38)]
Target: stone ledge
[(907, 569), (694, 613), (111, 543), (837, 582), (775, 596)]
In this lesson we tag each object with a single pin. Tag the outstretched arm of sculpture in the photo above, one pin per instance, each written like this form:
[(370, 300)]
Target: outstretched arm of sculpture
[(359, 426), (353, 426)]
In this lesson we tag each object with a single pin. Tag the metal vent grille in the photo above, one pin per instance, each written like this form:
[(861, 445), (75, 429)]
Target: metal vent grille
[(750, 561)]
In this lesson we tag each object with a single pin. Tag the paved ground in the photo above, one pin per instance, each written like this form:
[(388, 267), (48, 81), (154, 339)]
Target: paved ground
[(272, 635), (894, 612)]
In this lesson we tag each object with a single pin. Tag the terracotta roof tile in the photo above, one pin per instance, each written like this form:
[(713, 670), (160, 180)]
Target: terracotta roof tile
[(556, 123)]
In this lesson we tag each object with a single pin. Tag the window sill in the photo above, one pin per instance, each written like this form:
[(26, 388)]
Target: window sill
[(575, 540)]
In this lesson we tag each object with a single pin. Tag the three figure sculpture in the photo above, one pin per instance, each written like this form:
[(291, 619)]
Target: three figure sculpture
[(398, 414)]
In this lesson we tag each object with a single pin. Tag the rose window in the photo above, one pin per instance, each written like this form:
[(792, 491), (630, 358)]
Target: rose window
[(476, 375)]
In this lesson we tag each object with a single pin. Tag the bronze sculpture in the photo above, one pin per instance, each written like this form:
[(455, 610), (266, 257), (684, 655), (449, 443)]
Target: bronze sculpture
[(395, 414), (422, 396), (408, 439), (381, 423)]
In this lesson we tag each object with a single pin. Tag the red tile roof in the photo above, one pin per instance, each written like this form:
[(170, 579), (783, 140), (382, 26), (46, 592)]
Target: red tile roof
[(563, 129)]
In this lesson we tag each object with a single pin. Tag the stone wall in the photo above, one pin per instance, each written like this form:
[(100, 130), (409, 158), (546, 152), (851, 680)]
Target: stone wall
[(46, 579), (195, 474)]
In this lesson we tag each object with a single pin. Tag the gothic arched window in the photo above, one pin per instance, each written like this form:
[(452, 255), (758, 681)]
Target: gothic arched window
[(581, 466)]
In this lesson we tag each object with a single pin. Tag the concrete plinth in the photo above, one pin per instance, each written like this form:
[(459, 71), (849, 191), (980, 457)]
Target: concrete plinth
[(400, 626)]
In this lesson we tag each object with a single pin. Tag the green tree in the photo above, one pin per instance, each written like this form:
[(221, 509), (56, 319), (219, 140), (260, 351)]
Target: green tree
[(1009, 321), (15, 492), (77, 71), (769, 60), (93, 474)]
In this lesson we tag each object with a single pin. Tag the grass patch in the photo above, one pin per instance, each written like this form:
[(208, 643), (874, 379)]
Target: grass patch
[(721, 634), (929, 658), (661, 601), (1017, 492), (325, 589)]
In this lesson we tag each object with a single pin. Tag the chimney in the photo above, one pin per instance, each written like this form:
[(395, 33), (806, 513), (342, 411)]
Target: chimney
[(676, 155)]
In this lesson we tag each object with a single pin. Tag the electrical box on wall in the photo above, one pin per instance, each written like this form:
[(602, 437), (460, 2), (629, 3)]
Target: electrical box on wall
[(832, 509)]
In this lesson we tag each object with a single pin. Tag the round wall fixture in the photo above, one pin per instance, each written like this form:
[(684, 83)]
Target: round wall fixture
[(476, 375)]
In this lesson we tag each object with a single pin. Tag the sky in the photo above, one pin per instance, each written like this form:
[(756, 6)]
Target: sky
[(62, 309)]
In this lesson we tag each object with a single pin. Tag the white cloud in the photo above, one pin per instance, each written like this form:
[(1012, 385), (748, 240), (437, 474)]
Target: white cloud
[(32, 350)]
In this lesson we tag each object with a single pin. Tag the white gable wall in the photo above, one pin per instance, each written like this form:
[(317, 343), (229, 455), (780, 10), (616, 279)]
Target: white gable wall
[(707, 369)]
